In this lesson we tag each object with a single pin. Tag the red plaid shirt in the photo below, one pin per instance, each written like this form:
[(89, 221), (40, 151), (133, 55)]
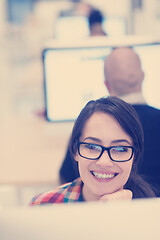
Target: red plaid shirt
[(69, 192)]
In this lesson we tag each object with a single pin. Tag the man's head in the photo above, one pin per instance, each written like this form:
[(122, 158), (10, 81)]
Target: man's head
[(123, 72), (95, 21)]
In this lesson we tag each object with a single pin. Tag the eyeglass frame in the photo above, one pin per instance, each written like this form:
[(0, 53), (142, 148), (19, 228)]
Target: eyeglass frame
[(105, 149)]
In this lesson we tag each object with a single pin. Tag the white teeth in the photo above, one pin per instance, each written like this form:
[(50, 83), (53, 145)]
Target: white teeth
[(103, 176)]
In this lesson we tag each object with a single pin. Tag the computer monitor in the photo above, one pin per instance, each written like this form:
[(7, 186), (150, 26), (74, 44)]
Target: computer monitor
[(73, 76), (133, 220), (77, 27), (74, 73), (150, 58)]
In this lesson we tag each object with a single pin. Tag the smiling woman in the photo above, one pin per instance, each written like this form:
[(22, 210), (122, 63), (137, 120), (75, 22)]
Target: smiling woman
[(107, 143), (105, 175)]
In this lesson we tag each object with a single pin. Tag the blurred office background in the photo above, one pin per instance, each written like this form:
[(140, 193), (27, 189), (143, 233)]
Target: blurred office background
[(32, 149)]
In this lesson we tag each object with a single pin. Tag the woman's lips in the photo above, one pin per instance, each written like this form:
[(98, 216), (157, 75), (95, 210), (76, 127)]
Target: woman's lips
[(104, 176)]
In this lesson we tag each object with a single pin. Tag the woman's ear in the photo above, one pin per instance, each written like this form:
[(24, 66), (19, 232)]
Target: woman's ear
[(107, 84), (76, 156)]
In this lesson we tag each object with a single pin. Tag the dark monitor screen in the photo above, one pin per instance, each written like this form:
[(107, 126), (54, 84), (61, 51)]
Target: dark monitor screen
[(73, 76)]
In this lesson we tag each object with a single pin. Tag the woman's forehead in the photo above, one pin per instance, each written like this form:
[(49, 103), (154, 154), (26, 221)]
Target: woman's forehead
[(104, 126)]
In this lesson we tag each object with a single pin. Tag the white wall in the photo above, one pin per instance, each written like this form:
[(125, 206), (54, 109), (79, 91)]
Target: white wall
[(147, 20), (2, 15)]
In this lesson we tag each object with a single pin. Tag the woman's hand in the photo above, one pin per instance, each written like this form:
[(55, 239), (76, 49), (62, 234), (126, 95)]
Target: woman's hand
[(122, 194)]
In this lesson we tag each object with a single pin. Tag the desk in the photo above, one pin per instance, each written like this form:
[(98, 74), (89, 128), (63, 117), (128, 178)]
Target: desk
[(122, 220)]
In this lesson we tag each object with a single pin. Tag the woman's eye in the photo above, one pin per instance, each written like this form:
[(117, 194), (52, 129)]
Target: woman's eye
[(120, 149), (92, 147)]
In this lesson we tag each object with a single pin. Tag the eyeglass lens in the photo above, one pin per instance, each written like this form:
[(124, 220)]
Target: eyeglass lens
[(93, 151)]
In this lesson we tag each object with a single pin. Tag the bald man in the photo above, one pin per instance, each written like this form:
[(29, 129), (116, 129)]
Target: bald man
[(123, 74), (124, 78)]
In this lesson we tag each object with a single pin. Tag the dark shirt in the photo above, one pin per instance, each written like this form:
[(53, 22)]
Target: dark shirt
[(150, 165)]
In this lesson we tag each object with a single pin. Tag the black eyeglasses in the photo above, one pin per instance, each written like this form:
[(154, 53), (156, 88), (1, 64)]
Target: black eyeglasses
[(94, 151)]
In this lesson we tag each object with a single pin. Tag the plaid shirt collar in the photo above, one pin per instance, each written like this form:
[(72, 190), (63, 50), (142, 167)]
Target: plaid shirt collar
[(73, 191), (70, 192)]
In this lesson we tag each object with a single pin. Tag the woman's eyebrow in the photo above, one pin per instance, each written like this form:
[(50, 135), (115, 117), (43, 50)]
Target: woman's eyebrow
[(121, 141), (112, 142), (93, 138)]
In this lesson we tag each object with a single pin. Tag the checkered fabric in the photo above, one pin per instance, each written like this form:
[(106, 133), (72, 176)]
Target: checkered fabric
[(69, 192)]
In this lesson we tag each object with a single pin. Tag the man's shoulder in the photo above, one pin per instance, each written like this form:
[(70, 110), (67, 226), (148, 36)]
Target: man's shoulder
[(147, 110), (150, 119)]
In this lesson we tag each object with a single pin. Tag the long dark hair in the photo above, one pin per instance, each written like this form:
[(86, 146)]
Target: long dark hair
[(129, 121)]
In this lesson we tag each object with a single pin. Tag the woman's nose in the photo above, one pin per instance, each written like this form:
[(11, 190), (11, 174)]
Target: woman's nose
[(104, 160)]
